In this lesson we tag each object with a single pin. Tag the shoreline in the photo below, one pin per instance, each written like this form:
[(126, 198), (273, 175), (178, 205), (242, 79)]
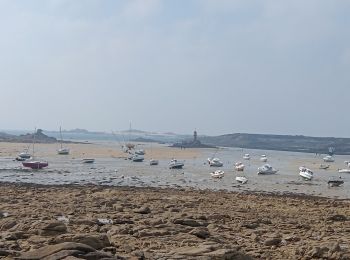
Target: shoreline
[(157, 223)]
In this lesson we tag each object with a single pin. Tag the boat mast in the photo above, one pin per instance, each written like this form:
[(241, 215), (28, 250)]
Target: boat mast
[(61, 136), (34, 141)]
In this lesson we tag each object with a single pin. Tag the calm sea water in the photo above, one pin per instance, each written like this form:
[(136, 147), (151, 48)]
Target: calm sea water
[(196, 173)]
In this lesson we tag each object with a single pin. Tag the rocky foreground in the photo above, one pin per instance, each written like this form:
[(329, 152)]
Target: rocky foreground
[(41, 222)]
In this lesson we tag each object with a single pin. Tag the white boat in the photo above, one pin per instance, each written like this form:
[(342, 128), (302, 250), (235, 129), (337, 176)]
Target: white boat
[(347, 163), (140, 152), (344, 170), (217, 174), (335, 182), (324, 166), (137, 158), (24, 155), (62, 150), (239, 166), (246, 156), (306, 173), (263, 158), (88, 160), (241, 179), (175, 164), (215, 162), (153, 162), (328, 158), (266, 169)]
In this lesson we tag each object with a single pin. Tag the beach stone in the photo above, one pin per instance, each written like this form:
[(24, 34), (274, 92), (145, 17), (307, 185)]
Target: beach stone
[(95, 240), (52, 228), (317, 252), (52, 249), (118, 208), (272, 241), (337, 217), (250, 225), (188, 222), (143, 210), (6, 224), (228, 254), (200, 232)]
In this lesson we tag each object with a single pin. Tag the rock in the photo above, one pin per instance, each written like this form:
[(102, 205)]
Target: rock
[(272, 241), (228, 254), (250, 225), (95, 240), (53, 228), (200, 232), (53, 249), (188, 222), (143, 210), (118, 208), (6, 224), (337, 218), (317, 252)]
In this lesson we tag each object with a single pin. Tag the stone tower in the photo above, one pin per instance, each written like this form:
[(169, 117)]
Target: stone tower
[(195, 136)]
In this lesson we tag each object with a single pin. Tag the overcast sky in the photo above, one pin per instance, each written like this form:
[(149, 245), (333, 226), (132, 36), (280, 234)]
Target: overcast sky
[(221, 66)]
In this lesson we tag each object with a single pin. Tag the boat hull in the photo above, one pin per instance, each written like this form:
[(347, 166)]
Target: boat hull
[(35, 165)]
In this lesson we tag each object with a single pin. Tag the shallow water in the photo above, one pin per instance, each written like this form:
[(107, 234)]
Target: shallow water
[(121, 172)]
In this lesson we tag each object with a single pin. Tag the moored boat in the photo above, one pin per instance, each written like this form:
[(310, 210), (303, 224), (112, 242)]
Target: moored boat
[(35, 164), (335, 182), (246, 156), (175, 164), (267, 169), (239, 166), (217, 174), (241, 179), (153, 162), (215, 162), (88, 160), (305, 173), (344, 170), (328, 158), (263, 158)]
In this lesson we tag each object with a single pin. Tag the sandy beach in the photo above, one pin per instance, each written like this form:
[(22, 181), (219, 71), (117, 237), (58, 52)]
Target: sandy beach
[(89, 222)]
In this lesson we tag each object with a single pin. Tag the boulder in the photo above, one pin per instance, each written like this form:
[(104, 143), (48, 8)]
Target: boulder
[(95, 240)]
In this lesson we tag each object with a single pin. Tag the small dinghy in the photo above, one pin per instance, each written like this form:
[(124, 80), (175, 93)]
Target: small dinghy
[(344, 170), (335, 182), (217, 174), (175, 164), (324, 166), (328, 158), (215, 162), (88, 160), (306, 173), (263, 158), (246, 156), (241, 179), (153, 162)]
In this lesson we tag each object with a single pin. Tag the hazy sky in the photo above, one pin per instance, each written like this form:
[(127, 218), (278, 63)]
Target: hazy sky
[(221, 66)]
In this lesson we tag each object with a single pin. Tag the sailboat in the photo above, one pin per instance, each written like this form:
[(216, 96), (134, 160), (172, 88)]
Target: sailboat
[(33, 164), (62, 150)]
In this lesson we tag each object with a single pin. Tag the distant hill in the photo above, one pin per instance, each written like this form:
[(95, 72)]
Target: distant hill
[(295, 143), (40, 137)]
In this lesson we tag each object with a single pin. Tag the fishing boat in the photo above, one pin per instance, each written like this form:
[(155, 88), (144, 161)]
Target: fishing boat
[(217, 174), (32, 163), (246, 156), (153, 162), (239, 166), (306, 173), (88, 160), (215, 162), (241, 179), (263, 158), (267, 169), (335, 182), (328, 158), (175, 164), (62, 150)]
